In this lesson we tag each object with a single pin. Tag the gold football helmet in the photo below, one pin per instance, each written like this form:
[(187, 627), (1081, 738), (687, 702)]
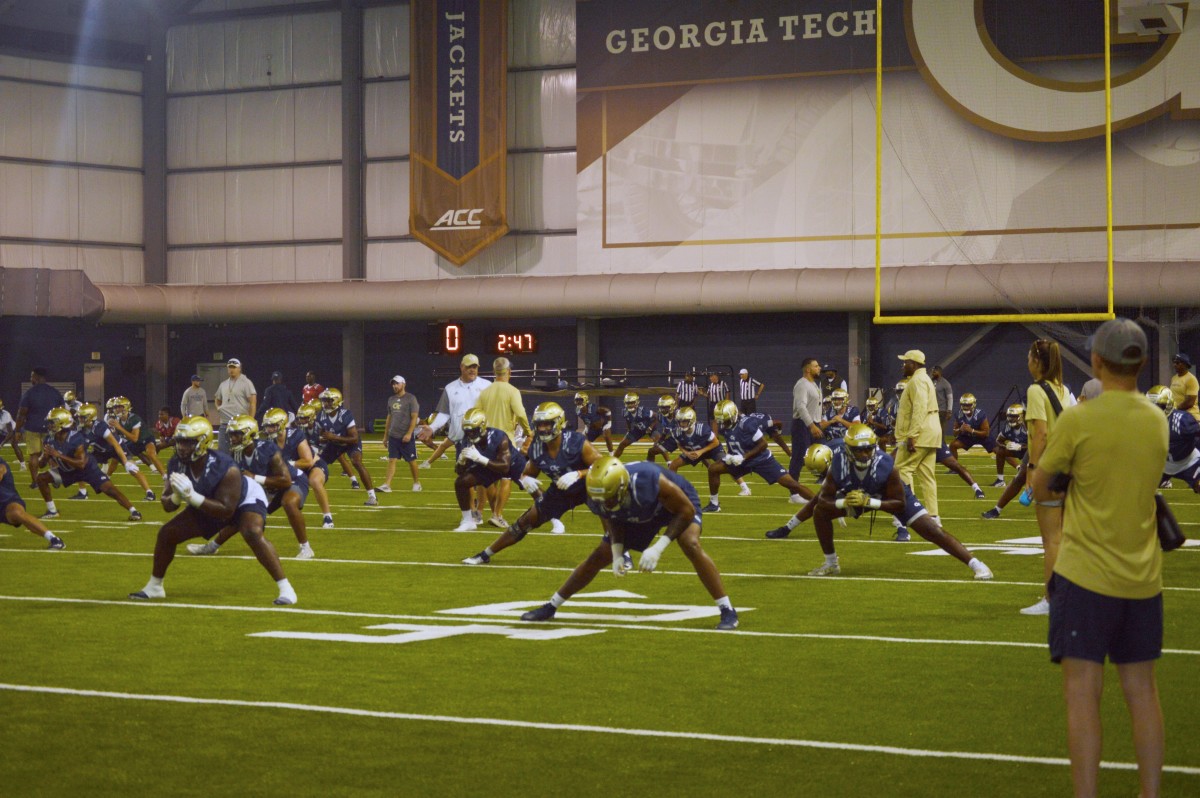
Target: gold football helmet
[(306, 416), (1161, 396), (667, 405), (193, 438), (873, 403), (581, 399), (608, 481), (474, 424), (967, 403), (685, 417), (726, 414), (631, 401), (862, 443), (118, 406), (242, 431), (88, 413), (549, 420), (59, 419), (817, 459), (69, 397), (331, 399), (839, 398), (274, 420), (1015, 414)]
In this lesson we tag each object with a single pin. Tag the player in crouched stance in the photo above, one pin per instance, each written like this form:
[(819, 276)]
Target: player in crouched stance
[(216, 494), (12, 509), (635, 503), (861, 477)]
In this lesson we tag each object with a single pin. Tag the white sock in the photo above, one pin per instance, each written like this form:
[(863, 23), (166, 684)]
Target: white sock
[(831, 559), (49, 536), (304, 546), (896, 523), (467, 515), (212, 545), (792, 523), (937, 519), (284, 586), (741, 483), (975, 564), (714, 500), (154, 583), (488, 551), (371, 493), (974, 486), (557, 600), (724, 603), (50, 508)]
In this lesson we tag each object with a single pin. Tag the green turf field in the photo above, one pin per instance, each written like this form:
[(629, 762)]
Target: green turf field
[(402, 672)]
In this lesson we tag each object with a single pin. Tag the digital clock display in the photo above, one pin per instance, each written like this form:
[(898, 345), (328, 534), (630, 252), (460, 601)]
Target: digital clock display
[(515, 343), (444, 338)]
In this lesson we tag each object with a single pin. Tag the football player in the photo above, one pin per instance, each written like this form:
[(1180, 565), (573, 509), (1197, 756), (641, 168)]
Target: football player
[(136, 440), (14, 513), (876, 417), (116, 408), (816, 460), (862, 478), (1011, 443), (945, 457), (971, 427), (1183, 460), (104, 447), (698, 444), (747, 453), (283, 483), (564, 455), (665, 432), (299, 445), (64, 451), (487, 457), (339, 435), (594, 421), (838, 417), (639, 422), (635, 503), (214, 494)]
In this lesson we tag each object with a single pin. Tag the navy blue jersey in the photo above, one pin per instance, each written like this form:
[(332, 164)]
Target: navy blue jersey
[(8, 489), (215, 468), (340, 424), (97, 441), (68, 446), (743, 437), (764, 421), (291, 444), (700, 437), (1015, 434), (569, 458), (667, 429), (974, 421), (639, 422), (1183, 429), (259, 461), (489, 445), (641, 504), (879, 421), (847, 478), (837, 430), (587, 414)]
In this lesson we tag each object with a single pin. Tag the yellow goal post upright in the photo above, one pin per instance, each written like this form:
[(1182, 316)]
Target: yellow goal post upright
[(879, 318)]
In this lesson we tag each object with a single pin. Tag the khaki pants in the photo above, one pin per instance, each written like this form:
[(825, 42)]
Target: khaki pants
[(916, 470), (33, 441)]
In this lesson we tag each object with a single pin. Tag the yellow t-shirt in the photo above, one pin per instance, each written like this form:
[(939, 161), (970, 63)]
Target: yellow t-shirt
[(501, 403), (1114, 447), (1183, 387), (1037, 405)]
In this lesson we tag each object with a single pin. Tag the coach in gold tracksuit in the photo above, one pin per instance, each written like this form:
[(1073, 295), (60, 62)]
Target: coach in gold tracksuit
[(918, 431)]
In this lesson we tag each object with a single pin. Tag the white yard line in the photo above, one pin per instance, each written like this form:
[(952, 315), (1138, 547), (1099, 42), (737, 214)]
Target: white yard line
[(584, 729)]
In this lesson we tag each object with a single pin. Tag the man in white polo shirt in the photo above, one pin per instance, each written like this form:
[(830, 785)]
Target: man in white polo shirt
[(457, 398)]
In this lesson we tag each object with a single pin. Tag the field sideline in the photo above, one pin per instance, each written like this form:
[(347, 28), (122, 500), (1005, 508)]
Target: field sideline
[(402, 671)]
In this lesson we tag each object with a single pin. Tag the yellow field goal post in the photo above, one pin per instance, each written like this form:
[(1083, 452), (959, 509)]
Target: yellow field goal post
[(879, 318)]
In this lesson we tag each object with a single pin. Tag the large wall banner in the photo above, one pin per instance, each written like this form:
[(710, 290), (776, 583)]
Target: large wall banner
[(458, 177), (740, 134)]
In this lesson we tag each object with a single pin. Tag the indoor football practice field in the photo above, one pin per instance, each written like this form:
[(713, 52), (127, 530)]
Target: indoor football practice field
[(402, 671)]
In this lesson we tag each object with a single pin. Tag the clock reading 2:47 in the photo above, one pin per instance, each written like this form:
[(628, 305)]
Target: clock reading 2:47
[(521, 343)]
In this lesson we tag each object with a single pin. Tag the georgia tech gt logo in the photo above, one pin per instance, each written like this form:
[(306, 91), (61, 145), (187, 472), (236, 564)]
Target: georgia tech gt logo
[(459, 219), (953, 51)]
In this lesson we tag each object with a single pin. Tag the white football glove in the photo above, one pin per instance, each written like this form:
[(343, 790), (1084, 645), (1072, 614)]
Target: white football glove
[(650, 556), (618, 552), (182, 487), (131, 467), (734, 459), (567, 480), (530, 484), (475, 456)]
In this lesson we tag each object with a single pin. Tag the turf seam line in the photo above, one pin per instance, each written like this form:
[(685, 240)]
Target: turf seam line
[(584, 728)]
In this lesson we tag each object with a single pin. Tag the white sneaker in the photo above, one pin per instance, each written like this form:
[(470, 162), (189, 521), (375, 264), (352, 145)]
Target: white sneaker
[(1041, 607), (466, 526), (286, 597), (148, 593), (795, 498), (744, 490), (200, 549), (826, 570), (24, 466), (327, 523), (306, 552), (557, 527), (983, 573), (384, 489), (425, 464), (498, 520), (416, 487)]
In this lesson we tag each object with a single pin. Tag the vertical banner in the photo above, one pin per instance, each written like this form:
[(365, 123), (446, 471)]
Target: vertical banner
[(458, 170)]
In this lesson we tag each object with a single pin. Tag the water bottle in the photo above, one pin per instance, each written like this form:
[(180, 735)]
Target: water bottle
[(1026, 497)]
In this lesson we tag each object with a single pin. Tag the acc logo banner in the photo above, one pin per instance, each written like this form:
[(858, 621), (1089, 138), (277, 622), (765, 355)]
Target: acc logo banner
[(950, 44), (458, 179)]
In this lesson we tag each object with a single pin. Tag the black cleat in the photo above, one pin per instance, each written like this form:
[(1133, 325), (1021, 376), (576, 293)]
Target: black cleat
[(777, 534), (729, 619), (542, 613)]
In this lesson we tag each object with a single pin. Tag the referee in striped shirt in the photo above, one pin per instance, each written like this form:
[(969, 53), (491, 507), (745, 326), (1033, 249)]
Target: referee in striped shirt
[(749, 390), (717, 392), (685, 391)]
